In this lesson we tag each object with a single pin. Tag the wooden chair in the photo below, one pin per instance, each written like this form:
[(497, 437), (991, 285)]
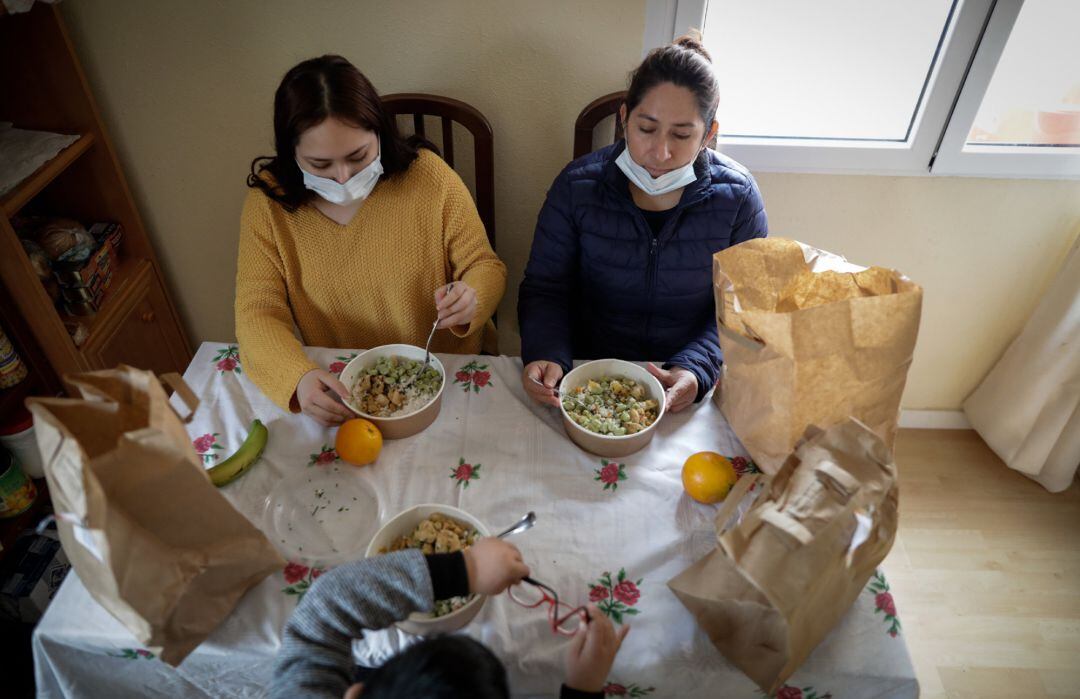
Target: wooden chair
[(451, 110), (595, 112)]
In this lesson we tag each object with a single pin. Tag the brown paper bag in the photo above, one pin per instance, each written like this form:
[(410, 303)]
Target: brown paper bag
[(809, 339), (149, 535), (782, 578)]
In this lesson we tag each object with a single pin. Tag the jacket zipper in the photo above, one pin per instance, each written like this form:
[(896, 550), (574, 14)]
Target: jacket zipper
[(654, 264)]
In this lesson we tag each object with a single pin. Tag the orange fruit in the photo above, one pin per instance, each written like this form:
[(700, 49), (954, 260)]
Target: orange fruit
[(707, 477), (358, 441)]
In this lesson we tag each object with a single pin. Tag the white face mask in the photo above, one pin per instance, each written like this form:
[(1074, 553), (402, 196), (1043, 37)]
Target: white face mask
[(356, 188), (654, 186)]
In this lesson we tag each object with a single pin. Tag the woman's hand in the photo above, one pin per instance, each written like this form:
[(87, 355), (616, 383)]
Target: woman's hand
[(548, 374), (312, 394), (680, 386), (456, 304)]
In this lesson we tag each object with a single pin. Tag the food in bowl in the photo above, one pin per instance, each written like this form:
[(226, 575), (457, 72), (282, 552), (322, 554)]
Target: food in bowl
[(438, 534), (395, 386), (611, 405)]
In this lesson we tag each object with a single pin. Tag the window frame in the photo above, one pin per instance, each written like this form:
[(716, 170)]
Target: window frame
[(966, 57), (955, 157)]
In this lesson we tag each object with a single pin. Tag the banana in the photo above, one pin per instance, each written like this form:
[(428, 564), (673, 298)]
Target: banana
[(244, 458)]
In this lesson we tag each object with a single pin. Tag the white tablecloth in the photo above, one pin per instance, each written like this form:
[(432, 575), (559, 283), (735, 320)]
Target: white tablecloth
[(646, 526)]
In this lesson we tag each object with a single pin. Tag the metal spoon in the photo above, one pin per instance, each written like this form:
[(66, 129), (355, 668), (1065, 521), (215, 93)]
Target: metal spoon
[(427, 346), (521, 525)]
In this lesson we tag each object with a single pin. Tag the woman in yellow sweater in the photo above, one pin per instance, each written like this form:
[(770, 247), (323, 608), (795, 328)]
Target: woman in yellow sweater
[(355, 237)]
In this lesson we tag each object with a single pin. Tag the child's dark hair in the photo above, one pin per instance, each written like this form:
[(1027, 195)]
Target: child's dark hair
[(685, 63), (312, 91), (444, 667)]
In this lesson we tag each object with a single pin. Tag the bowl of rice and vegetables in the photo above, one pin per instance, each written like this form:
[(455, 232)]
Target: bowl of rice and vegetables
[(433, 528), (391, 387), (610, 407)]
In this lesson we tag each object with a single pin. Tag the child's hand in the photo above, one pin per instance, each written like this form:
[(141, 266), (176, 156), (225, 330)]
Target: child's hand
[(592, 652), (493, 565)]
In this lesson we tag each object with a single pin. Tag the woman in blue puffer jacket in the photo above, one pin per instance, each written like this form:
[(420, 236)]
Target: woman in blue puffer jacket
[(621, 262)]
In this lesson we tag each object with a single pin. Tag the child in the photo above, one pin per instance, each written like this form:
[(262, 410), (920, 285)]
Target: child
[(373, 593)]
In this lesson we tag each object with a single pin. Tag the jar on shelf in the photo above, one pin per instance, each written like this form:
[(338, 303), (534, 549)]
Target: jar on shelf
[(12, 369), (17, 492), (17, 436)]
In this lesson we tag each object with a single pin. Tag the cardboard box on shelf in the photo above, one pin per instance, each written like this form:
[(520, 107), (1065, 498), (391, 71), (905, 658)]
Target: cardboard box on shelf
[(99, 265)]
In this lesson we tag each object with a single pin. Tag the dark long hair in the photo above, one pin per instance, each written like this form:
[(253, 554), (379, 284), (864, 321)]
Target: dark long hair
[(312, 91), (685, 63), (443, 667)]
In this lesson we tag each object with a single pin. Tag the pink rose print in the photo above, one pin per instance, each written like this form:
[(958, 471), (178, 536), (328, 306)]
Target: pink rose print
[(473, 375), (744, 466), (610, 473), (338, 366), (626, 592), (133, 654), (884, 602), (205, 446), (326, 455), (295, 572), (614, 689), (463, 473), (227, 359), (619, 595), (299, 578)]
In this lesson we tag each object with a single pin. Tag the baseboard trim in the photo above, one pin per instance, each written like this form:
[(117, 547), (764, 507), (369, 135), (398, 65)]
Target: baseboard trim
[(934, 419)]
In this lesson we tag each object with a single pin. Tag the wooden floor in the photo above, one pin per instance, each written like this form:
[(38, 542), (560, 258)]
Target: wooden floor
[(985, 572)]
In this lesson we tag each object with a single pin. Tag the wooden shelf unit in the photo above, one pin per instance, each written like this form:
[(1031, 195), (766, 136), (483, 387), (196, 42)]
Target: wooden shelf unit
[(43, 87), (14, 200)]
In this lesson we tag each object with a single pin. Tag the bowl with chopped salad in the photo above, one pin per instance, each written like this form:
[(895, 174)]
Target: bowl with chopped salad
[(391, 387), (611, 407), (433, 528)]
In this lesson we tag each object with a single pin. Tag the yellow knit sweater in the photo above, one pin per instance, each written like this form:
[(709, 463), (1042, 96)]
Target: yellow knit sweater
[(370, 282)]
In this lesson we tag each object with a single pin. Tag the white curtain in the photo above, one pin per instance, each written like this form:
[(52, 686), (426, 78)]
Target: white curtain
[(1028, 406)]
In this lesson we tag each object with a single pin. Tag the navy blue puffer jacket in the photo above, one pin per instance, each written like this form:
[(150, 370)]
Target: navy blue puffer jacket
[(599, 284)]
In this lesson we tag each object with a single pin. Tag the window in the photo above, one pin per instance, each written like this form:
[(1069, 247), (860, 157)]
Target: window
[(878, 86), (1019, 111)]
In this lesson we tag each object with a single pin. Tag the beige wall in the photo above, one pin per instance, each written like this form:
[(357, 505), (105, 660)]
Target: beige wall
[(186, 90)]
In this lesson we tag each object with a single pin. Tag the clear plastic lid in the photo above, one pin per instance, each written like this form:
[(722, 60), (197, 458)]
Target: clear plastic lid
[(322, 515)]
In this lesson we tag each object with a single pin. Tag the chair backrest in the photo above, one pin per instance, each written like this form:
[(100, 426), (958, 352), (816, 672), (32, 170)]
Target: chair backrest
[(595, 112), (451, 110)]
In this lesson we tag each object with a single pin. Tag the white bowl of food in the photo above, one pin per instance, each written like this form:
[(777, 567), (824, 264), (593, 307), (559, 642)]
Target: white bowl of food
[(389, 386), (433, 528), (611, 407)]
